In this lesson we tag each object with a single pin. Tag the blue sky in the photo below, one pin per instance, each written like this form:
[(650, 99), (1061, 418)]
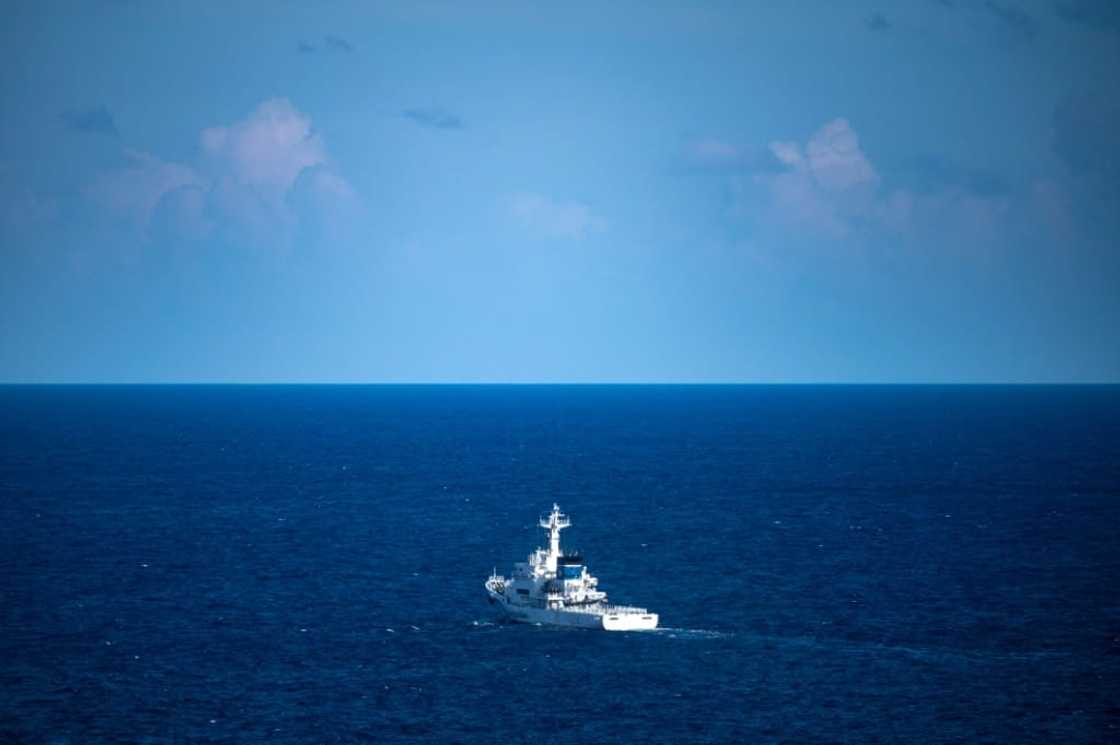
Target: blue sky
[(509, 192)]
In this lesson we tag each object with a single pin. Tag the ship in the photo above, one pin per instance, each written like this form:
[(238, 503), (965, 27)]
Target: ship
[(555, 588)]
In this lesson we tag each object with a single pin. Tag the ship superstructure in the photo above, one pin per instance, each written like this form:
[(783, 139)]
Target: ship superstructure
[(553, 587)]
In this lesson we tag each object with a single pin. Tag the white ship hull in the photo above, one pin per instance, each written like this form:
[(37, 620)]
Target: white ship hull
[(592, 619)]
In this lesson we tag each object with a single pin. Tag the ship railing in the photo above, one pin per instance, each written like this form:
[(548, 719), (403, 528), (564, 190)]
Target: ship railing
[(624, 609)]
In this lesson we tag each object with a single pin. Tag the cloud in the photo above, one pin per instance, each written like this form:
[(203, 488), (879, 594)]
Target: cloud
[(267, 150), (433, 117), (1101, 14), (321, 199), (320, 182), (182, 212), (253, 164), (715, 153), (877, 22), (337, 44), (97, 120), (1013, 17), (132, 193), (543, 215), (829, 188), (241, 184), (824, 185), (305, 48), (835, 158)]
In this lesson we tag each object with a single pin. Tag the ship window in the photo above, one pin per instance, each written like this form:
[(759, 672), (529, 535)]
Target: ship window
[(522, 592)]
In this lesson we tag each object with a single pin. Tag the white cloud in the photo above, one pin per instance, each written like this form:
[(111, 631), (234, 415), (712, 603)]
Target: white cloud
[(788, 153), (826, 184), (835, 159), (133, 192), (242, 182), (267, 150), (795, 198), (544, 215)]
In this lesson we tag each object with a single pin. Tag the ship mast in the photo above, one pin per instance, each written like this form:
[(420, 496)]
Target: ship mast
[(554, 523)]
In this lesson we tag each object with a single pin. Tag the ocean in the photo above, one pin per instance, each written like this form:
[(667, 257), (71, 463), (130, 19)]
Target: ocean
[(304, 564)]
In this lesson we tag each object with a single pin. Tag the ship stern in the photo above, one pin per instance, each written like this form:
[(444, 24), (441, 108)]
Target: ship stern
[(630, 622)]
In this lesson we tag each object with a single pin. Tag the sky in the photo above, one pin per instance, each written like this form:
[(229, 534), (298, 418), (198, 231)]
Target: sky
[(515, 192)]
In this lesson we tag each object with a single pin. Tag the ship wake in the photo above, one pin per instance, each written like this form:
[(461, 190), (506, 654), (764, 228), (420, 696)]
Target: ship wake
[(692, 633)]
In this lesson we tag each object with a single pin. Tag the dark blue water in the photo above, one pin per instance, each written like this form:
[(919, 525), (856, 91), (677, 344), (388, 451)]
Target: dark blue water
[(305, 564)]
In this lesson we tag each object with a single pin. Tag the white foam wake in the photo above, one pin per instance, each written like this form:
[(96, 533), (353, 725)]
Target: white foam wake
[(692, 633)]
